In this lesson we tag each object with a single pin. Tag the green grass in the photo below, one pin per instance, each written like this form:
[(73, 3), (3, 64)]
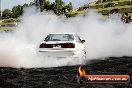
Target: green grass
[(129, 14), (9, 19), (6, 23), (116, 7), (94, 4), (102, 9), (7, 28)]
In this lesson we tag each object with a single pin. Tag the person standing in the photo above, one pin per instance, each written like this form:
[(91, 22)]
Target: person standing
[(125, 18)]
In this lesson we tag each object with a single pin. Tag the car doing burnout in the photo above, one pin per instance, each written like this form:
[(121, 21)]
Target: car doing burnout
[(64, 46)]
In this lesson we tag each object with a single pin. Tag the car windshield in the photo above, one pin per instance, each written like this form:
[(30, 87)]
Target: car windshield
[(59, 37)]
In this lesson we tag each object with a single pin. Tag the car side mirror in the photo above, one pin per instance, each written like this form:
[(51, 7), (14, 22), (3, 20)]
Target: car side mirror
[(83, 41)]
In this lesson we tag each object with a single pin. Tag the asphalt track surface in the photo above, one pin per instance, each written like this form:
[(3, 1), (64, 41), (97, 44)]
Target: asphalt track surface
[(65, 77)]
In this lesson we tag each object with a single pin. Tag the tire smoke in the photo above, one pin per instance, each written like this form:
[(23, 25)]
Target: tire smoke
[(105, 37)]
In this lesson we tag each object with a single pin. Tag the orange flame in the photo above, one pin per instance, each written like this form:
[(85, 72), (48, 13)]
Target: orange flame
[(81, 71)]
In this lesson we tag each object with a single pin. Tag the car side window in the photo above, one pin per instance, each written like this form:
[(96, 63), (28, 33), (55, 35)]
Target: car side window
[(78, 39)]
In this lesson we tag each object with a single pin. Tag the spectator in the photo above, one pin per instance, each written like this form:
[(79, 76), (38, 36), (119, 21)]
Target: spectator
[(126, 18)]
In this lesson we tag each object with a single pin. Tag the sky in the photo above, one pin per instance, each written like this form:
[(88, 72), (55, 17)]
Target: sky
[(8, 4)]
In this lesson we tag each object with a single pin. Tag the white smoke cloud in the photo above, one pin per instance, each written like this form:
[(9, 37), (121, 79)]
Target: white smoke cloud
[(104, 38)]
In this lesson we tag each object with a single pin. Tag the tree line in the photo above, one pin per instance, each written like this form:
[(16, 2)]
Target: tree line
[(58, 7)]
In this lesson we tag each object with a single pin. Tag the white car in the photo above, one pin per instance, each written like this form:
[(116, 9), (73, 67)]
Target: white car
[(64, 45)]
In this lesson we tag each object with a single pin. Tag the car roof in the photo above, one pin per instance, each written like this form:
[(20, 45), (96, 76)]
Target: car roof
[(64, 33)]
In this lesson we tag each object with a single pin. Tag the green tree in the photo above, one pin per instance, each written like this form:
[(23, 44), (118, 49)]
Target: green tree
[(58, 9), (52, 6), (44, 5), (7, 13), (17, 11), (67, 8), (41, 5), (25, 5), (57, 6), (47, 5), (36, 3)]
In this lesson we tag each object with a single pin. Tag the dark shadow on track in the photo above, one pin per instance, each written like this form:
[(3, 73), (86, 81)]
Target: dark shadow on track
[(65, 77)]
